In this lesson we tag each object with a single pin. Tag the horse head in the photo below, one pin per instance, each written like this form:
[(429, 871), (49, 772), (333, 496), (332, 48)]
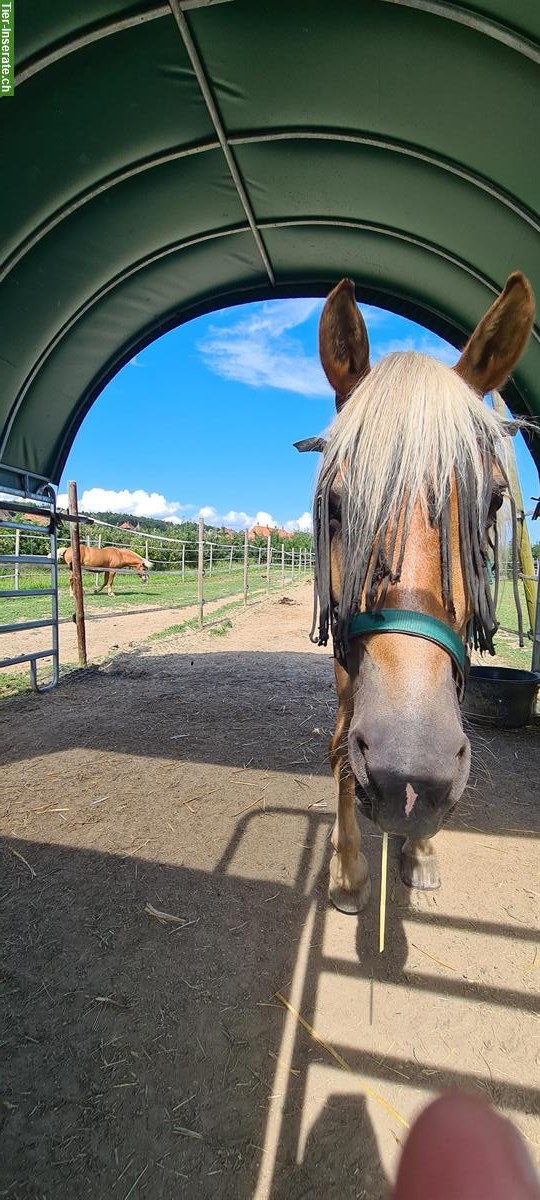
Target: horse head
[(411, 478)]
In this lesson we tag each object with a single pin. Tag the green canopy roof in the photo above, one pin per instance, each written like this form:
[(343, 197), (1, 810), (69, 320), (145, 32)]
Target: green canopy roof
[(160, 160)]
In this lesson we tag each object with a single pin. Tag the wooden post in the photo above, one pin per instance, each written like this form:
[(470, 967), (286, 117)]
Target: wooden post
[(211, 555), (526, 560), (246, 548), (283, 564), (535, 665), (73, 510), (200, 568), (268, 560), (231, 558), (292, 563), (146, 554), (183, 561), (17, 552), (260, 555), (96, 576)]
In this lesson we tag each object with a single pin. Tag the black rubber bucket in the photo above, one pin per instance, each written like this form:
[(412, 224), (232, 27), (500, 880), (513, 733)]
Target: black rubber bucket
[(502, 696)]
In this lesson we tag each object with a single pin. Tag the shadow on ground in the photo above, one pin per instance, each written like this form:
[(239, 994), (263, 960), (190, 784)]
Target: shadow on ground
[(142, 1058)]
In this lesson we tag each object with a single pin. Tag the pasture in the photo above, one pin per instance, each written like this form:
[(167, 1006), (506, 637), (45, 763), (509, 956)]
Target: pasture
[(151, 1057), (141, 611)]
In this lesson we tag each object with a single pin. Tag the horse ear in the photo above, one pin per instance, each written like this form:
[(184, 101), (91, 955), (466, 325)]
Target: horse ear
[(500, 338), (343, 341)]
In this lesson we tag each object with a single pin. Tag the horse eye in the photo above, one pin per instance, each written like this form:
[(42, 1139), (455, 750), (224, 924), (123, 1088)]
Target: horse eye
[(496, 502)]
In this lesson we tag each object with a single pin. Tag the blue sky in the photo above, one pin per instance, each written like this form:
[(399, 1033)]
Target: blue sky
[(205, 418)]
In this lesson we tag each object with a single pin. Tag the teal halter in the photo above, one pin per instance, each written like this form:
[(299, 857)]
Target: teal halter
[(417, 624)]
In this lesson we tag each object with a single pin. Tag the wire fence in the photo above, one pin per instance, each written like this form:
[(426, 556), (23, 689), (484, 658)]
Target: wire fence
[(183, 573)]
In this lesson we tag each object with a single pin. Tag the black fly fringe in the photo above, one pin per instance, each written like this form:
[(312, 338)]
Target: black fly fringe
[(367, 570), (515, 560)]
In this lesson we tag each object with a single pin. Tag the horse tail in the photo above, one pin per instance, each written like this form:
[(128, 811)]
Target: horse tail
[(61, 550), (147, 564)]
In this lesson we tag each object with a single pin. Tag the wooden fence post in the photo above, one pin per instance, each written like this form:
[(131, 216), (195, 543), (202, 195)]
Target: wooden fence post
[(260, 556), (73, 510), (200, 569), (17, 552), (268, 560), (231, 558), (535, 665), (96, 576), (524, 550), (183, 561), (292, 563), (211, 556), (246, 548), (283, 564)]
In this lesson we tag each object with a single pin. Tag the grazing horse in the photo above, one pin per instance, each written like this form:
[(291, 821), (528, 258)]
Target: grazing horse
[(108, 559), (413, 472)]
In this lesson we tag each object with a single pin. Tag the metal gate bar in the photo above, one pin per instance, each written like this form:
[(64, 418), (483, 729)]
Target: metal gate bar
[(43, 504)]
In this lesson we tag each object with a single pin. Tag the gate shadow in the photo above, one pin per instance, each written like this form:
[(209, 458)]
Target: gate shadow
[(273, 709)]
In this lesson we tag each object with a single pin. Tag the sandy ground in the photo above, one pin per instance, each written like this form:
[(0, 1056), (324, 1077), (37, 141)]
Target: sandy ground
[(154, 1059), (114, 629)]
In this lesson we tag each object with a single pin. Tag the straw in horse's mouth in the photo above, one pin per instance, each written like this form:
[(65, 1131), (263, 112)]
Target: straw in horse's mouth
[(364, 800)]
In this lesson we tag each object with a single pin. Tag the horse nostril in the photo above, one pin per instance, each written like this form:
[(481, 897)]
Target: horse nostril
[(462, 751), (362, 745)]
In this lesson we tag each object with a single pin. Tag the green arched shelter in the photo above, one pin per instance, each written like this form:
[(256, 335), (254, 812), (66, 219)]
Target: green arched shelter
[(162, 159)]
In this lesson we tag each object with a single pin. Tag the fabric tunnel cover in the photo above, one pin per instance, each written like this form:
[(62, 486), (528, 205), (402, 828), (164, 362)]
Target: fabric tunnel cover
[(161, 160)]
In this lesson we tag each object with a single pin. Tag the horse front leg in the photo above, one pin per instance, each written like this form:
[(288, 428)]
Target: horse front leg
[(71, 592), (350, 885), (418, 864), (110, 578)]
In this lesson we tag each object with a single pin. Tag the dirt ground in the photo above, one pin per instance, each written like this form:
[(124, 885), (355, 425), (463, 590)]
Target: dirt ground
[(116, 628), (148, 1059)]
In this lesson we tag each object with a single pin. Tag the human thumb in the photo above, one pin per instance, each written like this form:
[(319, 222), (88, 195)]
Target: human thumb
[(459, 1149)]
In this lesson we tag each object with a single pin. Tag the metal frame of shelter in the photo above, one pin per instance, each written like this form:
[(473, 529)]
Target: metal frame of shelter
[(165, 159)]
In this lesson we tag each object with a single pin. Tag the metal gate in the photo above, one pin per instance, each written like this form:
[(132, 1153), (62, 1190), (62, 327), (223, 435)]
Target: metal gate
[(27, 502)]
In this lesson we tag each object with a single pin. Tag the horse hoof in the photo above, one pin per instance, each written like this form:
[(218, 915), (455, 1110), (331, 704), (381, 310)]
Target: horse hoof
[(349, 902), (422, 874)]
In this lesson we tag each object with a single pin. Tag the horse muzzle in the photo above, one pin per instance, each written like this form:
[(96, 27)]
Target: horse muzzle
[(406, 799)]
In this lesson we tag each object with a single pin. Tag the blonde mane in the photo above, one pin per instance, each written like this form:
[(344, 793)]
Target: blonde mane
[(410, 426), (408, 431)]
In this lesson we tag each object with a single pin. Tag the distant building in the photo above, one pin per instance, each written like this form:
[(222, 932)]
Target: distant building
[(128, 525), (30, 518), (264, 531), (261, 531)]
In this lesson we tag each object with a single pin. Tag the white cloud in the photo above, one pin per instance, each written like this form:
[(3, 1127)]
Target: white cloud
[(236, 520), (152, 504), (138, 503), (303, 524), (425, 343), (256, 350)]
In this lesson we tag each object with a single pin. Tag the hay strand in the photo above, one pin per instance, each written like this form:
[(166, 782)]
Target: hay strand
[(384, 872), (165, 917), (368, 1091)]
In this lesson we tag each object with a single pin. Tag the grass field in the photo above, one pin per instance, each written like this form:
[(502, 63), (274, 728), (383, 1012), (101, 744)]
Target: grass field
[(168, 590), (161, 590)]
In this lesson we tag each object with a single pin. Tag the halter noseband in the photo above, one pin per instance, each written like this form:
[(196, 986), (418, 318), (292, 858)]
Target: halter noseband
[(417, 624)]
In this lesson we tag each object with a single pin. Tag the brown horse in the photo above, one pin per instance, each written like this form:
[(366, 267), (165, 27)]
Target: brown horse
[(412, 474), (108, 559)]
